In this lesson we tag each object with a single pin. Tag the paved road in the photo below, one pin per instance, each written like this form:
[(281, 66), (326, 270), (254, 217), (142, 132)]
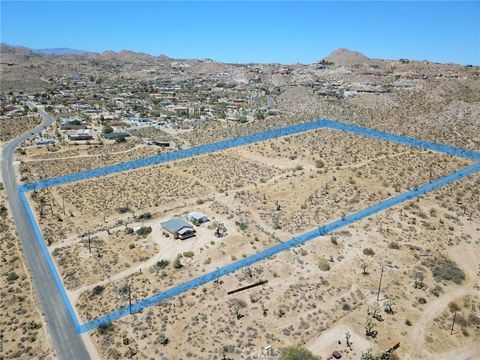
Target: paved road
[(67, 343)]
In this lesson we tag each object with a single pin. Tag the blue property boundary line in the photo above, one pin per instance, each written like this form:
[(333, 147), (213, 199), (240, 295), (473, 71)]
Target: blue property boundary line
[(405, 140), (228, 144), (245, 140), (49, 260)]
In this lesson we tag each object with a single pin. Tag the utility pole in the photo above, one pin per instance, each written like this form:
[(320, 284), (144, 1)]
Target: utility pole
[(104, 207), (63, 203), (89, 243), (41, 207), (380, 284), (453, 322)]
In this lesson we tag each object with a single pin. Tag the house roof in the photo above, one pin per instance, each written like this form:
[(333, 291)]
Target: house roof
[(196, 215), (175, 225), (185, 230)]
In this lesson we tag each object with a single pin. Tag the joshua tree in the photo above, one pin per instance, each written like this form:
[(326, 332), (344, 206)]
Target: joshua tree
[(364, 266), (163, 339), (220, 229), (370, 327), (236, 308), (419, 280), (347, 339), (389, 307), (376, 311), (264, 310)]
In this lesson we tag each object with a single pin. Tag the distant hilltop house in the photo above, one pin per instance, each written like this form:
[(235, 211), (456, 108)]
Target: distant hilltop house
[(197, 217), (44, 141), (180, 229), (72, 124)]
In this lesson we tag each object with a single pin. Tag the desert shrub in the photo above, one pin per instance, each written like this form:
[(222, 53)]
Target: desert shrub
[(324, 265), (408, 322), (107, 129), (436, 290), (144, 231), (177, 264), (163, 339), (162, 264), (123, 209), (444, 269), (242, 225), (120, 139), (369, 355), (297, 353), (145, 216), (474, 320), (97, 290), (12, 276), (368, 251), (104, 329), (188, 254), (131, 246), (394, 245), (319, 164), (240, 303)]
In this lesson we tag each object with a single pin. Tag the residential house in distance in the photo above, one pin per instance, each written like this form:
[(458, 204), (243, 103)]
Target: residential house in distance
[(44, 141), (84, 134), (180, 229)]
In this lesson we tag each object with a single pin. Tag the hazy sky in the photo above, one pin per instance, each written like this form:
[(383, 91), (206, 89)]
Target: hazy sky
[(251, 31)]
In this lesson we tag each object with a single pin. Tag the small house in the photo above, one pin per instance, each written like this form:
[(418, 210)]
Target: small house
[(197, 217), (180, 229), (44, 141), (84, 134)]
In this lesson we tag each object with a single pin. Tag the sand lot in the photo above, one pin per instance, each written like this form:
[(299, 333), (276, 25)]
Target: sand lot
[(263, 194)]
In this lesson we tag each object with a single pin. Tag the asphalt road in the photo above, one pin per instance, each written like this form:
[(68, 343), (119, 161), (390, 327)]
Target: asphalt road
[(67, 343)]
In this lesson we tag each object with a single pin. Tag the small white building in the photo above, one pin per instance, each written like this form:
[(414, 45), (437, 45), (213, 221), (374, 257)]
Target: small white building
[(198, 217)]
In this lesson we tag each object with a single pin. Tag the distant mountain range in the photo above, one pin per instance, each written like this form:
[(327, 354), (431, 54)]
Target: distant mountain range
[(62, 51)]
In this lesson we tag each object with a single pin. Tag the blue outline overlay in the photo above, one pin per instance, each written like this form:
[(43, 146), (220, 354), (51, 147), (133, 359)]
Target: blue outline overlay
[(228, 144)]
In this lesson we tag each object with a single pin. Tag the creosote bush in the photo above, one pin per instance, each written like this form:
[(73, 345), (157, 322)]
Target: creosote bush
[(444, 269), (324, 265)]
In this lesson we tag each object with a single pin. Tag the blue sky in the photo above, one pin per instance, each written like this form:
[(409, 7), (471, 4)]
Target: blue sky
[(283, 32)]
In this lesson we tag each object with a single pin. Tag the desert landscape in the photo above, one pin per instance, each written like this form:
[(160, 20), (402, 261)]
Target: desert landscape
[(279, 189), (400, 284)]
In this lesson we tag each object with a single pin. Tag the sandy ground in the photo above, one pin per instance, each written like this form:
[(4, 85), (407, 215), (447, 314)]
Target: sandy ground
[(265, 193)]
